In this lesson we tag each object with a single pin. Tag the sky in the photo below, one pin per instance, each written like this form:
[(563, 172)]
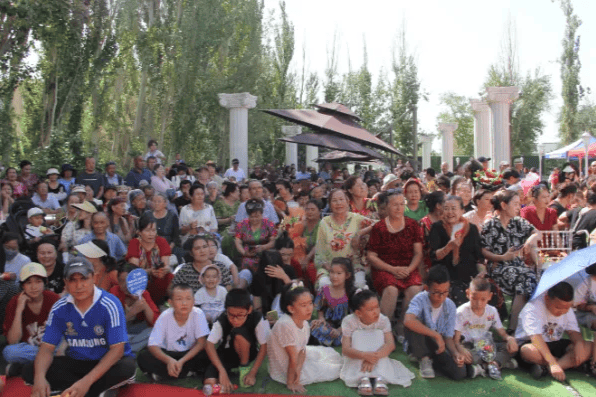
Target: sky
[(454, 42)]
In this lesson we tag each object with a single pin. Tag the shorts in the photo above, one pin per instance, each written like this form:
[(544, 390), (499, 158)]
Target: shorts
[(557, 349)]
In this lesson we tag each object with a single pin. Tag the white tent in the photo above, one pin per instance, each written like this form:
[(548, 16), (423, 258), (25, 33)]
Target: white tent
[(562, 152)]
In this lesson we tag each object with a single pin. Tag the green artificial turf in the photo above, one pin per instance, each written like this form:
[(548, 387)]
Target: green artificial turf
[(514, 383)]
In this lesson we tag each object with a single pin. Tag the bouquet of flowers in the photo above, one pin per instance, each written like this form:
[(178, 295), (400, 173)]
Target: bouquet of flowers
[(487, 350), (488, 179)]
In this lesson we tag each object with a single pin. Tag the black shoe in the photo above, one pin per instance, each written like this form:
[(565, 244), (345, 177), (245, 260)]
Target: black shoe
[(14, 369), (538, 371)]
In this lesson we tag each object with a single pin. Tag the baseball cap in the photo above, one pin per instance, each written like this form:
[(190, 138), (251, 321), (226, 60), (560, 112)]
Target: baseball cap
[(79, 265), (86, 206), (389, 178), (34, 211), (53, 171), (235, 161), (78, 189), (90, 250), (32, 269), (483, 159), (504, 163)]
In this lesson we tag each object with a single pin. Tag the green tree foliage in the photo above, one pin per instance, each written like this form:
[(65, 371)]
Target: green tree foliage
[(586, 117), (572, 91), (459, 111), (405, 92)]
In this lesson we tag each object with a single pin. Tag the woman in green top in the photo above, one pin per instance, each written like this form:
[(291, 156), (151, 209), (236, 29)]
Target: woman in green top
[(416, 208), (225, 209)]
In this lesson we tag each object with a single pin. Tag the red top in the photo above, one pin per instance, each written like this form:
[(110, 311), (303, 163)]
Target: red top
[(550, 217), (33, 324), (118, 293), (134, 248)]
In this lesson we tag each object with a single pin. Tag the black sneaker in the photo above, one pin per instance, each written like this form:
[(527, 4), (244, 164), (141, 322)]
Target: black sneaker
[(538, 371)]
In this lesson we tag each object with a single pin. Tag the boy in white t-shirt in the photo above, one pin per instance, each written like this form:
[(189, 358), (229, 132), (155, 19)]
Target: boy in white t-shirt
[(211, 297), (584, 300), (473, 321), (177, 338), (542, 323)]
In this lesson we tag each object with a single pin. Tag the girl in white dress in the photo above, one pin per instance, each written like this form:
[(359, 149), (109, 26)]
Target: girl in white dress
[(291, 362), (366, 344)]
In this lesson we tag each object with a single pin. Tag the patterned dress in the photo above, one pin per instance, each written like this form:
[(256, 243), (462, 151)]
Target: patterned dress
[(396, 249), (513, 277), (334, 312), (250, 239)]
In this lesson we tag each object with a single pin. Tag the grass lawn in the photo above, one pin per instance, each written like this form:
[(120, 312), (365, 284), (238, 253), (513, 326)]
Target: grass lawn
[(514, 383)]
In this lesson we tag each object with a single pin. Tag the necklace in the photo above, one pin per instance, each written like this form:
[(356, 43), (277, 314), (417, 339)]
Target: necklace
[(391, 229)]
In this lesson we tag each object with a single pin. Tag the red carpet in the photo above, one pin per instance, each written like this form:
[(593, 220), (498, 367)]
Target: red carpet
[(16, 388)]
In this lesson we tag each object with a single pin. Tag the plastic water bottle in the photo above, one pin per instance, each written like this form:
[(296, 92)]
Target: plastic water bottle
[(214, 390)]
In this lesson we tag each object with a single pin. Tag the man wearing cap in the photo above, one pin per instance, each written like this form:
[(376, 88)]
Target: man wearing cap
[(484, 161), (138, 173), (26, 316), (503, 165), (235, 172), (90, 177), (93, 323), (519, 166), (111, 178)]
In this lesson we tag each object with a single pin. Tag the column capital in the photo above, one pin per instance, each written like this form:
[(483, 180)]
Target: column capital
[(447, 128), (426, 138), (291, 130), (239, 100), (479, 105), (502, 94)]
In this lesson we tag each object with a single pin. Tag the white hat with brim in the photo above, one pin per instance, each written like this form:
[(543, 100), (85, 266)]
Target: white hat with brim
[(78, 189), (53, 171), (90, 250), (32, 269), (34, 211), (86, 206)]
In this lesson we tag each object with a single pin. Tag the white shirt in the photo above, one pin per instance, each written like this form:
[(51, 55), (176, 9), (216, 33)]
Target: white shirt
[(584, 288), (434, 313), (262, 332), (535, 319), (212, 306), (205, 218), (168, 335), (238, 174), (472, 326), (221, 258), (157, 154), (285, 333)]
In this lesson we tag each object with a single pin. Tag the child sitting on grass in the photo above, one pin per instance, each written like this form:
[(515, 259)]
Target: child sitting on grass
[(177, 338), (474, 320), (241, 336), (430, 327), (332, 303), (211, 296), (366, 344), (542, 323), (291, 362)]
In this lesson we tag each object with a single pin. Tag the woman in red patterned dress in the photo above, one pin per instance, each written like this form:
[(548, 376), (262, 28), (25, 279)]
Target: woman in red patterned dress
[(395, 253)]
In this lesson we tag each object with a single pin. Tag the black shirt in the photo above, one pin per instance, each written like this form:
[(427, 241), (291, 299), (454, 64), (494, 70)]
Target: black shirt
[(587, 222), (558, 207), (94, 180), (56, 280)]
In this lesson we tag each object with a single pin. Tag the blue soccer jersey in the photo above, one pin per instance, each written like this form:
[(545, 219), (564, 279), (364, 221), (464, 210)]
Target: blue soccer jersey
[(89, 335)]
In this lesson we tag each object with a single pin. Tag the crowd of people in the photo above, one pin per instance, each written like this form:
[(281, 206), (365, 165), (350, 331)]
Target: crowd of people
[(237, 262)]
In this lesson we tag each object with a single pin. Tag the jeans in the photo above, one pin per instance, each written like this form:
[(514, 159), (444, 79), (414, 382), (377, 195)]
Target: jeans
[(424, 346), (20, 353)]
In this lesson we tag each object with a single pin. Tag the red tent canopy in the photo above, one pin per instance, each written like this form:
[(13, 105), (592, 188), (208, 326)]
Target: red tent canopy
[(581, 152)]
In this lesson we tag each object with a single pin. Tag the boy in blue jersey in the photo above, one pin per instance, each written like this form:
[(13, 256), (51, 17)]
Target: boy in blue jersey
[(93, 324)]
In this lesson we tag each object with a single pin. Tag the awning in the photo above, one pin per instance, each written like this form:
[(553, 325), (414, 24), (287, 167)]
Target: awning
[(332, 142), (563, 152)]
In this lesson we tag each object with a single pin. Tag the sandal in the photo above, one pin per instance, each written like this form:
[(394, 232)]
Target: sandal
[(381, 388), (365, 387)]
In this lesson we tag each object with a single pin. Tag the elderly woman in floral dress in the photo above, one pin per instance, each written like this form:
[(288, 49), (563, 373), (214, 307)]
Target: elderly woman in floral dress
[(339, 236)]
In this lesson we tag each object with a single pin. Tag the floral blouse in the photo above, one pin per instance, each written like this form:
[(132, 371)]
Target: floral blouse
[(498, 239), (335, 240), (18, 189), (251, 238)]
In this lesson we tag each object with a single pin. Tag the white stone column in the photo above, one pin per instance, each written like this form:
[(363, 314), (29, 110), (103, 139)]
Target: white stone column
[(499, 100), (291, 148), (238, 105), (427, 145), (312, 153), (447, 130), (482, 133)]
